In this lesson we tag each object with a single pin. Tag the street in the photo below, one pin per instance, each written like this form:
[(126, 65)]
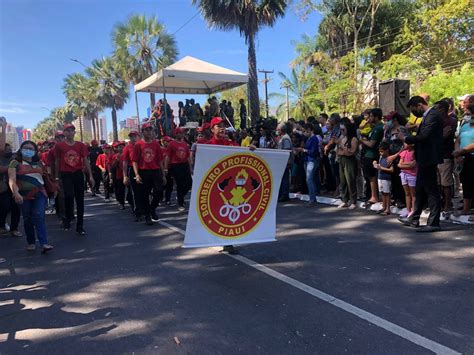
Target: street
[(335, 282)]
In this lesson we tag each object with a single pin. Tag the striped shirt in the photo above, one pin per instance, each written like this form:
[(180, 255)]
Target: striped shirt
[(28, 179)]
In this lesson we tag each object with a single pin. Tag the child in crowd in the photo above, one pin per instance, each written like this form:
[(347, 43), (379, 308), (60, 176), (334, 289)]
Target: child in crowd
[(407, 167), (384, 178)]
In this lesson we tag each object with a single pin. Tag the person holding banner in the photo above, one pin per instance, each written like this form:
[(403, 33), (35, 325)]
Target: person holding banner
[(148, 166)]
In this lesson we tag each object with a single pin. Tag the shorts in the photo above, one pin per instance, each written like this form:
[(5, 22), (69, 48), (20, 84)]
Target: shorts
[(445, 173), (408, 179), (368, 168), (385, 186)]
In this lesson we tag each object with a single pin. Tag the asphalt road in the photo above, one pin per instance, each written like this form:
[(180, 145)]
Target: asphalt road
[(128, 288)]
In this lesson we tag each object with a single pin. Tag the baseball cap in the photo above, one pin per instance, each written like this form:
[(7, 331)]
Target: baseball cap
[(167, 139), (117, 143), (216, 121), (146, 125), (205, 126), (69, 126), (178, 130), (106, 146), (58, 133), (133, 133)]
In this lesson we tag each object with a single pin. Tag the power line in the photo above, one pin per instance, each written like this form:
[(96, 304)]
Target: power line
[(188, 21)]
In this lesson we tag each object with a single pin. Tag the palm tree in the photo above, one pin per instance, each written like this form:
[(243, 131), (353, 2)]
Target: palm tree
[(82, 99), (111, 87), (302, 102), (142, 47), (247, 16)]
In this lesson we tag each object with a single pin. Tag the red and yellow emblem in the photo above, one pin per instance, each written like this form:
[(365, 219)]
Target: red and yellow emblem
[(234, 195)]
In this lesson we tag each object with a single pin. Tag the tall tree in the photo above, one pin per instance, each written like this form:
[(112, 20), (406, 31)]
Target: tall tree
[(111, 87), (143, 47), (247, 16)]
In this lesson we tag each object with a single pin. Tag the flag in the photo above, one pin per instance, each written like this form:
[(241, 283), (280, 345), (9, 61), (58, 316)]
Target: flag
[(234, 195)]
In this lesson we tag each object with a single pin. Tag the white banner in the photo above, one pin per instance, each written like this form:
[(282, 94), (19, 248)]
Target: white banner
[(234, 195)]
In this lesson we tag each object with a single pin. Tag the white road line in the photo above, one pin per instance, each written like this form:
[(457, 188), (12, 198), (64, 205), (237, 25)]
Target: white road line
[(358, 312)]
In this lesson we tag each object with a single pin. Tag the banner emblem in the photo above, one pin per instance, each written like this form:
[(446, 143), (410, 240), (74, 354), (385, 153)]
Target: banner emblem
[(234, 195)]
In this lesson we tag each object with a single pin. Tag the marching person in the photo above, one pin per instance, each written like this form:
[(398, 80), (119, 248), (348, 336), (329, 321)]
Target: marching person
[(102, 162), (148, 166), (94, 153), (169, 179), (70, 160), (25, 175), (178, 160), (127, 168), (219, 137), (116, 169)]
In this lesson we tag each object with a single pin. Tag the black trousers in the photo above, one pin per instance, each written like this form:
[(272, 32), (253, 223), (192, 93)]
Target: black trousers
[(182, 175), (131, 189), (427, 191), (97, 175), (168, 190), (152, 184), (8, 205), (73, 185), (106, 180), (119, 189)]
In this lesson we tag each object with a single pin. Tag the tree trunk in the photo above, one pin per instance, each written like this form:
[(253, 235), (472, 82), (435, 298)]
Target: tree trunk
[(91, 118), (97, 126), (80, 129), (253, 81), (152, 101), (114, 123)]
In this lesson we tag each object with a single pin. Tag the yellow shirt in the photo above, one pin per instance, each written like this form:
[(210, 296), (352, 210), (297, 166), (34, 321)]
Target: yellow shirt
[(412, 120), (246, 142), (367, 128)]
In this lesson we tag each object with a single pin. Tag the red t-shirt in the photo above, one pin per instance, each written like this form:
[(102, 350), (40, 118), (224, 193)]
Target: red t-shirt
[(117, 163), (178, 152), (127, 153), (147, 155), (45, 158), (71, 157), (215, 141), (101, 161)]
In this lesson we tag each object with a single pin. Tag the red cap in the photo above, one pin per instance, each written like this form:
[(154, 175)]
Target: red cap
[(133, 133), (106, 146), (205, 126), (167, 139), (59, 133), (216, 121), (69, 126), (146, 125), (94, 143), (178, 130), (117, 143)]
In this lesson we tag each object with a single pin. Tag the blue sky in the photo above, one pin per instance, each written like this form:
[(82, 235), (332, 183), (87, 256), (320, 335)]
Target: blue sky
[(38, 38)]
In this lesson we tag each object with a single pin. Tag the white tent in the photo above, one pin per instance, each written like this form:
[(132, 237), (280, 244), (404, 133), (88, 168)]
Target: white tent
[(192, 76)]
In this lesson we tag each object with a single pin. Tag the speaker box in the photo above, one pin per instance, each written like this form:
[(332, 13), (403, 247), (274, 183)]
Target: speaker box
[(394, 95)]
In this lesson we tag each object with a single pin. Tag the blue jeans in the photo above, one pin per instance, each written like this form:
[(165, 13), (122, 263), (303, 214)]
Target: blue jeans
[(312, 170), (33, 219)]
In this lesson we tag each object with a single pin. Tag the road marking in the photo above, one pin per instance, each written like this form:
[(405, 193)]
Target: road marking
[(323, 296)]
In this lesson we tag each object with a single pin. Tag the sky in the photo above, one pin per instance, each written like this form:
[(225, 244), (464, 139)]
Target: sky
[(38, 39)]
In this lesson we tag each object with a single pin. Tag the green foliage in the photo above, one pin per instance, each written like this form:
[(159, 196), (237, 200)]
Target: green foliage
[(46, 128)]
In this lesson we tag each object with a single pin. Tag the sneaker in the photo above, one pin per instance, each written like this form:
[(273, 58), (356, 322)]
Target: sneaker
[(230, 249), (445, 215), (352, 206), (16, 233), (404, 214), (343, 205), (47, 248), (30, 247), (181, 208), (154, 217), (122, 207), (107, 200), (168, 203), (148, 221), (3, 231), (80, 231), (66, 225)]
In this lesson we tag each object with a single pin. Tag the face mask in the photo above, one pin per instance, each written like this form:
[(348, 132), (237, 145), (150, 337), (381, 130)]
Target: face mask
[(389, 124), (467, 118), (27, 153)]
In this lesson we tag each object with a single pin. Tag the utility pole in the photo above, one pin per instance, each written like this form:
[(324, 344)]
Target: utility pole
[(287, 86), (265, 81)]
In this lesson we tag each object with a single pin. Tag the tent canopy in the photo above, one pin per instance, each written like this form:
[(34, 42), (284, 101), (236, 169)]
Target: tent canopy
[(192, 76)]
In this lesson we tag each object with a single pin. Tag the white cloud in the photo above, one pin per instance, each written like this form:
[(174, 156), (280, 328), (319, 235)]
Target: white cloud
[(12, 109)]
